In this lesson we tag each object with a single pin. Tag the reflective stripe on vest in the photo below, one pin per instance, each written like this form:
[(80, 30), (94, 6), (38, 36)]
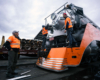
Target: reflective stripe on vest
[(69, 21), (15, 44), (44, 31), (9, 40)]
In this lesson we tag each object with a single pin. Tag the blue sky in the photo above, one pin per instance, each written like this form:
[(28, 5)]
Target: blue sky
[(27, 16)]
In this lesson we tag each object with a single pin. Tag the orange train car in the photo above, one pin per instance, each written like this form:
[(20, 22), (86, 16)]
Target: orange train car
[(56, 56)]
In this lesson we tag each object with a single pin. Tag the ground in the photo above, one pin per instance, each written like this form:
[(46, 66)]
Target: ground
[(76, 73)]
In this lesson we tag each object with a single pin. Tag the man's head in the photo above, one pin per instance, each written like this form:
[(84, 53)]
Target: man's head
[(68, 6), (64, 15), (43, 26), (15, 33)]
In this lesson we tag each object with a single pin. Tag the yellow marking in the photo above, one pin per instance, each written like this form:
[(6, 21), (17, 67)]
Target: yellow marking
[(1, 53)]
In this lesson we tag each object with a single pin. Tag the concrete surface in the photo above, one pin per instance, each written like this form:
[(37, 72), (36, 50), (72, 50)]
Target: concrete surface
[(40, 74), (22, 61)]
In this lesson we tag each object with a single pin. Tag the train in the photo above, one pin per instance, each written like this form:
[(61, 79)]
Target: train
[(57, 56), (29, 47)]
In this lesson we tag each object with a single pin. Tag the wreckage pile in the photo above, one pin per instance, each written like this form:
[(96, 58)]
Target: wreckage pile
[(26, 44), (30, 44)]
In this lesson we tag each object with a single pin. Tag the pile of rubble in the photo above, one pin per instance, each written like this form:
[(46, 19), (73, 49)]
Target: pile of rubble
[(30, 44)]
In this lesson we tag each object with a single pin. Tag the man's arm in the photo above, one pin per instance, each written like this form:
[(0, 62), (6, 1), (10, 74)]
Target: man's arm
[(67, 25), (7, 45)]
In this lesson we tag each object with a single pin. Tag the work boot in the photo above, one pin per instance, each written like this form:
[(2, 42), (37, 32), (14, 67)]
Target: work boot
[(42, 49), (76, 45), (9, 75), (40, 60), (69, 46), (15, 73)]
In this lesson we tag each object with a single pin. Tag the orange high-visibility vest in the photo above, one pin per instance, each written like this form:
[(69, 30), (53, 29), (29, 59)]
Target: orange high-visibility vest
[(14, 42), (44, 31), (69, 21)]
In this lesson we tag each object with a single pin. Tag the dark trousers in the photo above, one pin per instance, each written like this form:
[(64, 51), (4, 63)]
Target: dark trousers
[(44, 41), (12, 61), (70, 37)]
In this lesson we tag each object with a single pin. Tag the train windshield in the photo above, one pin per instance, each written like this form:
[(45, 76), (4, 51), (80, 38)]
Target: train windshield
[(56, 19)]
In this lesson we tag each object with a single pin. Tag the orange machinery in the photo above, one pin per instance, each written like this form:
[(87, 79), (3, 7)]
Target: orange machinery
[(61, 58)]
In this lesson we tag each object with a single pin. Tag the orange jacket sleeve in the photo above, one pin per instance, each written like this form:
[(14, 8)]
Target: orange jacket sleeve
[(10, 39)]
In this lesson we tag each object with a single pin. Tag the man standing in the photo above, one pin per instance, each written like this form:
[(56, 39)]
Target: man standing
[(44, 34), (13, 46), (69, 29)]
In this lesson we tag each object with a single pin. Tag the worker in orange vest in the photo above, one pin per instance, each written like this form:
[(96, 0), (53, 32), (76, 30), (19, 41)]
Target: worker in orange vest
[(69, 29), (44, 34), (13, 46)]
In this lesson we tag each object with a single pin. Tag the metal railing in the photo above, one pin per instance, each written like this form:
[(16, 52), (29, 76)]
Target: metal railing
[(54, 12)]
